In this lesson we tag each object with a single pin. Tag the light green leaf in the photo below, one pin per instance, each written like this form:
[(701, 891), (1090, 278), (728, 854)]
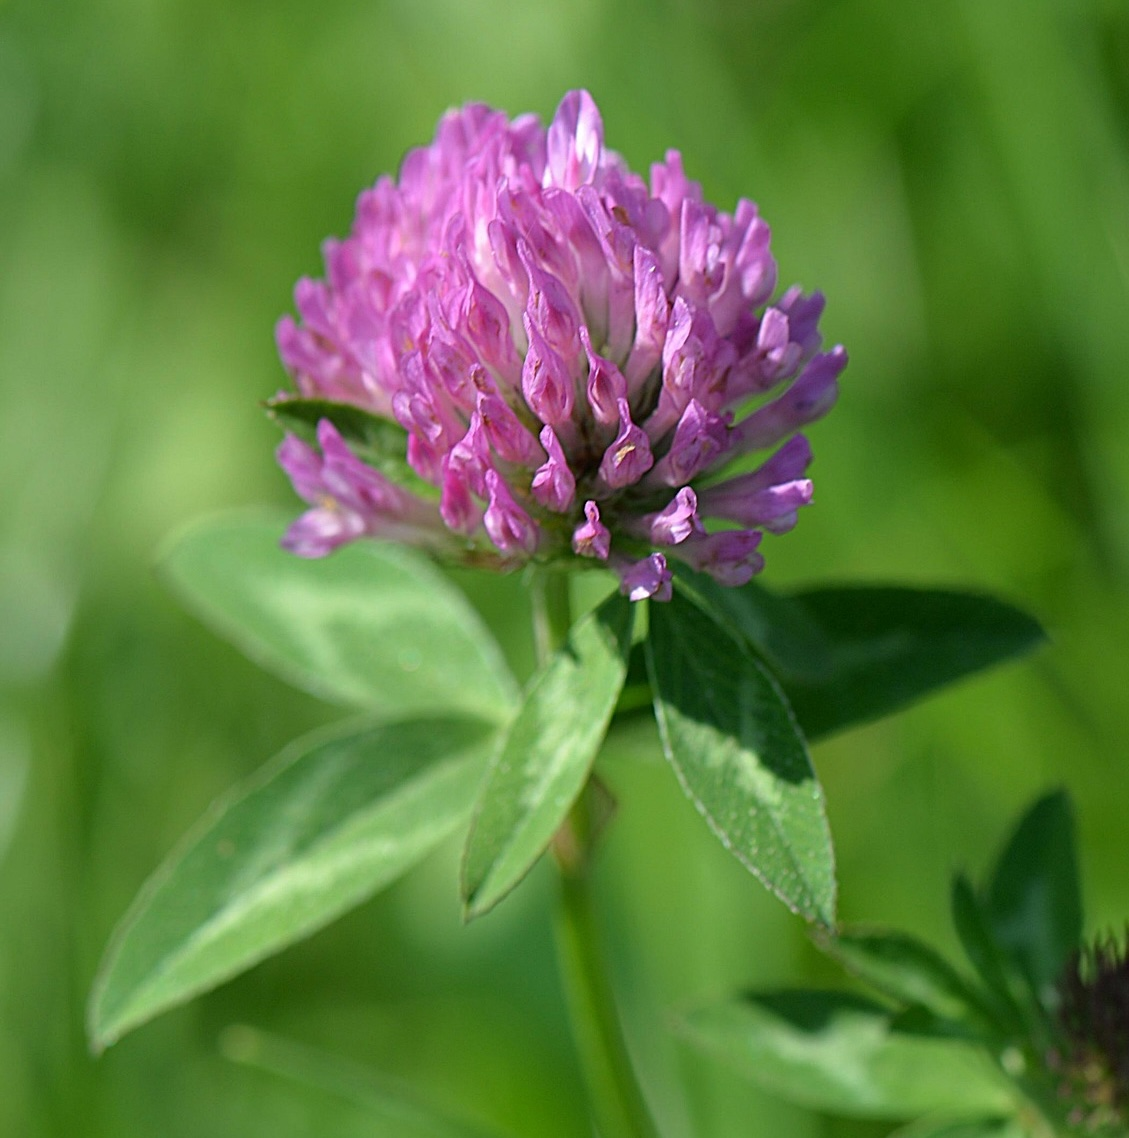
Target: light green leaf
[(837, 1052), (335, 817), (373, 625), (733, 742), (544, 759), (1034, 900), (908, 970)]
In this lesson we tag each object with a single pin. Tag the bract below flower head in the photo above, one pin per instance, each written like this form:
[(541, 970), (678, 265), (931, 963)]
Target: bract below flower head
[(574, 352)]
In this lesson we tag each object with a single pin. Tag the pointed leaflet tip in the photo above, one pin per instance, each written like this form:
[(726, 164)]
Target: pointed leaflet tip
[(336, 816), (545, 757), (734, 744)]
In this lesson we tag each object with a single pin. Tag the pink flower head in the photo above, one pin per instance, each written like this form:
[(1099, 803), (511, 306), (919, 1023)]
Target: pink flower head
[(573, 352)]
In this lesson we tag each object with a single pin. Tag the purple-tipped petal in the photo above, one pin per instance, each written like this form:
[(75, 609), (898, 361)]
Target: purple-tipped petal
[(510, 528), (489, 330), (592, 265), (754, 264), (776, 346), (648, 578), (546, 381), (507, 434), (592, 538), (652, 318), (550, 308), (457, 507), (508, 272), (629, 456), (617, 244), (696, 364), (701, 268), (303, 466), (554, 485), (789, 462), (673, 524), (809, 398), (670, 185), (803, 314), (699, 438), (730, 557), (350, 499), (320, 531), (470, 456), (606, 385), (768, 496), (354, 484), (575, 142), (773, 507)]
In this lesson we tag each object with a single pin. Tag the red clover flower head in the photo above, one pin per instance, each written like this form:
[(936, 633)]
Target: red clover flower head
[(575, 355)]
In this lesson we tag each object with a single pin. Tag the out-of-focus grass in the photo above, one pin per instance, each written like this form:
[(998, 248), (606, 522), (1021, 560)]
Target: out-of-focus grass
[(955, 176)]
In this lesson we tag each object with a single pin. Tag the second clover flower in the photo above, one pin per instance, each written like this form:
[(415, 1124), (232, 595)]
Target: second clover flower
[(573, 354)]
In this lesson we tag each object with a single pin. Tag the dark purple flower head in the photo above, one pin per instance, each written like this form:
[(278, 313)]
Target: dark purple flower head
[(575, 354), (1091, 1061)]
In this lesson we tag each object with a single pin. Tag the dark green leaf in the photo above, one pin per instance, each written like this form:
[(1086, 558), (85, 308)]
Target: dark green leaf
[(335, 817), (1034, 899), (889, 646), (836, 1052), (917, 1019), (978, 940), (907, 970), (847, 655), (780, 629), (374, 625), (739, 756), (546, 755), (382, 443)]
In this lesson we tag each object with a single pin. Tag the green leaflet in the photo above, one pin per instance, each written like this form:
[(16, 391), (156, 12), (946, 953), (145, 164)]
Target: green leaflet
[(889, 646), (909, 971), (1034, 901), (335, 817), (373, 625), (996, 968), (838, 1052), (735, 746), (544, 758), (845, 655)]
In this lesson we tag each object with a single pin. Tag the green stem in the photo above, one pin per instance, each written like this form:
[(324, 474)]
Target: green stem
[(613, 1093), (617, 1104)]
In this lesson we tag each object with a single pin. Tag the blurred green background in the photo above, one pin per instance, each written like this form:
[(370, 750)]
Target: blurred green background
[(953, 174)]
